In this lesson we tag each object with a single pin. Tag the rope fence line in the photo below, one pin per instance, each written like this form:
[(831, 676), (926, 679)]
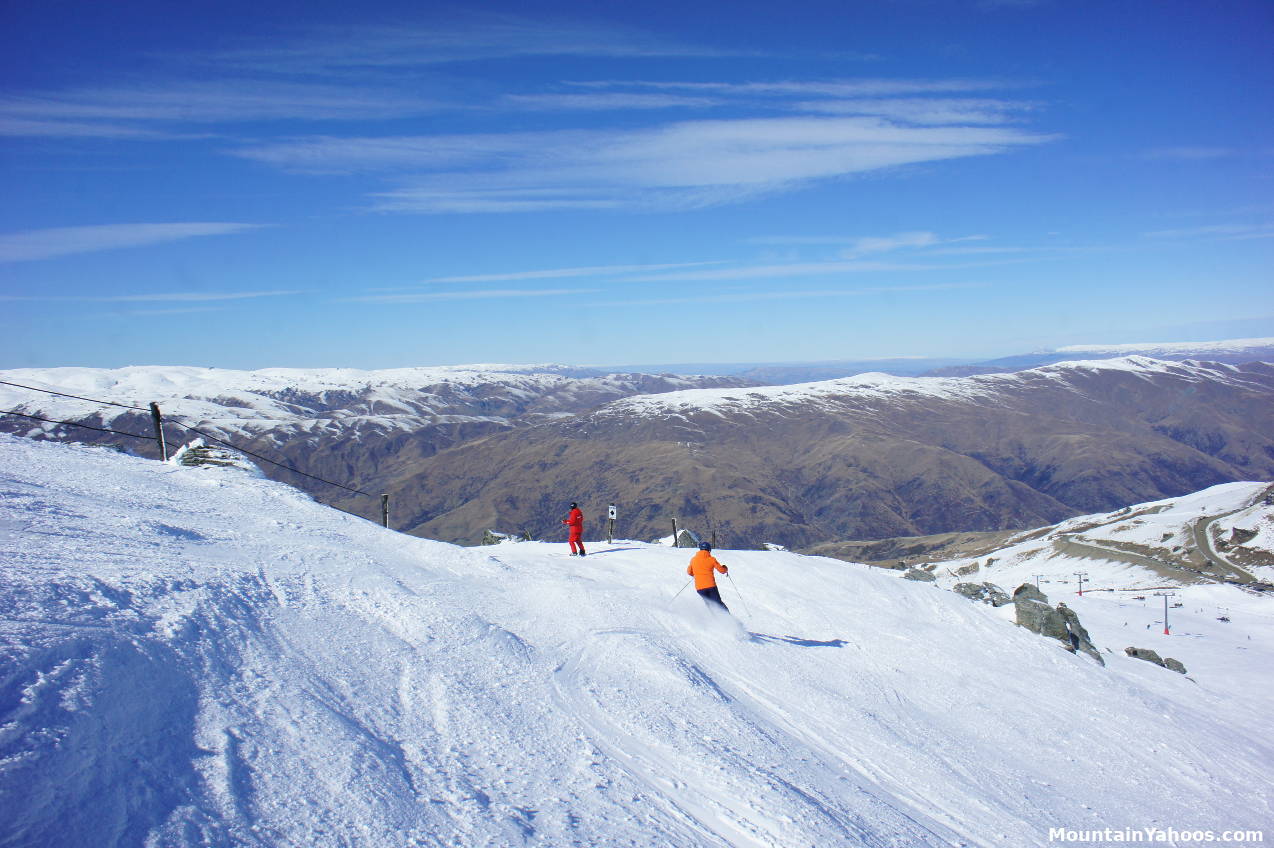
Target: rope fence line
[(154, 409), (75, 424), (267, 459), (77, 397)]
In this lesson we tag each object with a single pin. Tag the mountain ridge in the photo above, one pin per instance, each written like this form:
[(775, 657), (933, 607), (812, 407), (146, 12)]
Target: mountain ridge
[(869, 457)]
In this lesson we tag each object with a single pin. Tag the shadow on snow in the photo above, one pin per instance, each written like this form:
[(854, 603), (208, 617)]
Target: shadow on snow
[(804, 643)]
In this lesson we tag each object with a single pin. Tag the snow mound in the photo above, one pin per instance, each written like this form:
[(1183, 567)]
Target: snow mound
[(197, 656)]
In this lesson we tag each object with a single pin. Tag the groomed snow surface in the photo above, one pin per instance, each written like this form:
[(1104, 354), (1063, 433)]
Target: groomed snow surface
[(199, 656)]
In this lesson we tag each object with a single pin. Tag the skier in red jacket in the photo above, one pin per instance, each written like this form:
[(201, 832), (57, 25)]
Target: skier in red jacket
[(575, 523)]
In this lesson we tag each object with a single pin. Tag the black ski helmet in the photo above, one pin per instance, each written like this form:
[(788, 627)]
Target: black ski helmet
[(574, 505), (705, 546)]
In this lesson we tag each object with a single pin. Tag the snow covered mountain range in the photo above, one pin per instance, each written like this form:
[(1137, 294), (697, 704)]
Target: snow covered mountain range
[(867, 457), (342, 403), (200, 656), (354, 428), (1230, 352), (466, 450)]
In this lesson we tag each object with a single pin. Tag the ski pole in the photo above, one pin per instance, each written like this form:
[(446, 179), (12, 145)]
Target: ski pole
[(740, 594), (679, 591)]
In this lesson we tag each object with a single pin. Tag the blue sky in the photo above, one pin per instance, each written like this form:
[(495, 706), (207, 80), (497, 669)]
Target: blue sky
[(375, 185)]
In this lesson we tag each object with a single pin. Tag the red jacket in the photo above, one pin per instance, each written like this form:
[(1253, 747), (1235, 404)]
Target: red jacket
[(575, 521)]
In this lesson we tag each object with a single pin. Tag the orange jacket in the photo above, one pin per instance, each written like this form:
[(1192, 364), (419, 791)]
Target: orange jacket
[(701, 566)]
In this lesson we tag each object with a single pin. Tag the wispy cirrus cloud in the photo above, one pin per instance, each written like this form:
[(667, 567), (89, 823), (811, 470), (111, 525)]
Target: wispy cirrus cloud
[(558, 273), (461, 38), (607, 101), (155, 297), (360, 154), (39, 128), (615, 276), (336, 74), (847, 88), (884, 244), (1229, 232), (924, 110), (144, 111), (673, 165), (190, 310), (856, 246), (787, 294), (1189, 154), (788, 270), (443, 197), (926, 253), (465, 294), (32, 245)]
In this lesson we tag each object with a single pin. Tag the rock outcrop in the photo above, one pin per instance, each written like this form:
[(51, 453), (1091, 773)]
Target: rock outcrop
[(491, 537), (1061, 623), (687, 538), (987, 593), (1078, 635), (1153, 656), (1029, 592)]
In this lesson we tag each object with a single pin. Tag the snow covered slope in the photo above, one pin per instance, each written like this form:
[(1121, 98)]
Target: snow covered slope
[(1223, 534), (195, 656), (1134, 559), (849, 391), (1231, 352)]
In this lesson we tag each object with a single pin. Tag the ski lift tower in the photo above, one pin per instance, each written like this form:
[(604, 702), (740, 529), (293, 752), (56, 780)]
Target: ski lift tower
[(1165, 596), (1082, 576)]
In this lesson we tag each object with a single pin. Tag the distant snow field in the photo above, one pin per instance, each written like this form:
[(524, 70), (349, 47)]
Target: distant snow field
[(1172, 348), (875, 385), (200, 656)]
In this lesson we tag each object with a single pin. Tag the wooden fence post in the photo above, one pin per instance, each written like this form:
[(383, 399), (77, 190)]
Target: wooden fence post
[(158, 419), (674, 531), (384, 510)]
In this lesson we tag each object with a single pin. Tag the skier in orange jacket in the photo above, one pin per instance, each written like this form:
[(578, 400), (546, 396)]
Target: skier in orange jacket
[(702, 565), (574, 522)]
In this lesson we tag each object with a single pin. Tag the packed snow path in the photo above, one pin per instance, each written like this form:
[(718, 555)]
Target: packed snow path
[(203, 657)]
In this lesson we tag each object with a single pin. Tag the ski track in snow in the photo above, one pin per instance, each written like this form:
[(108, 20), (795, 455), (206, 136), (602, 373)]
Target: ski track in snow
[(204, 657)]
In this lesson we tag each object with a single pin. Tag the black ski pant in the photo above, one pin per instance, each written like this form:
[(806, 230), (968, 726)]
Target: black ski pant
[(712, 596)]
